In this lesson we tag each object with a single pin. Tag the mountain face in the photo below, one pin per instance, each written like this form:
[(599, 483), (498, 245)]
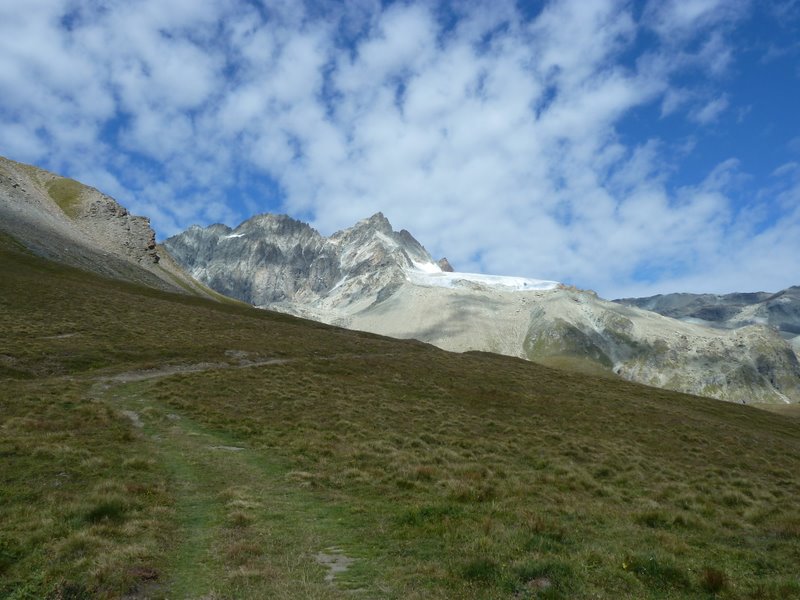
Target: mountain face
[(74, 224), (274, 261), (371, 278), (780, 310)]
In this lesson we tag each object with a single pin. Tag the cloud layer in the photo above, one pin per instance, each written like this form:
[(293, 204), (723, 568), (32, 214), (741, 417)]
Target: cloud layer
[(514, 144)]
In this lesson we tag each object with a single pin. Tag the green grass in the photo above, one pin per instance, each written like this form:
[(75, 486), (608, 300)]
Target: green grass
[(64, 191), (67, 194), (439, 475)]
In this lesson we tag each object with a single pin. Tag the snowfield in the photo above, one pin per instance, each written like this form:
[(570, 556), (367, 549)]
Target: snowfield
[(431, 275)]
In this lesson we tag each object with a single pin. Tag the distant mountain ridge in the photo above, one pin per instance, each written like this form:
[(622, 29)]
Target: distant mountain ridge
[(371, 278), (780, 309)]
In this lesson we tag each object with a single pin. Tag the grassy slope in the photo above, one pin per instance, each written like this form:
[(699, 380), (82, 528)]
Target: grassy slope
[(273, 439), (65, 192)]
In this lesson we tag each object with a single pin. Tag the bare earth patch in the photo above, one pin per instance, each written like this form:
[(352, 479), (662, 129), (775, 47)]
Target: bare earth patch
[(335, 561)]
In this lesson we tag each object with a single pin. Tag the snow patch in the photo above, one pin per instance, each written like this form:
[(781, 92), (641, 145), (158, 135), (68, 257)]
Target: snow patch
[(233, 235), (428, 267), (431, 275)]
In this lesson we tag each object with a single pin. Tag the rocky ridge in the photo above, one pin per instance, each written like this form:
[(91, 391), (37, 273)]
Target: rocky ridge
[(69, 222), (780, 310), (274, 261), (371, 278)]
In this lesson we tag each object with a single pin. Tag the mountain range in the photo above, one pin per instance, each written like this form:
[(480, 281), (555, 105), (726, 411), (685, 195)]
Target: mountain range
[(780, 310), (162, 440), (372, 278)]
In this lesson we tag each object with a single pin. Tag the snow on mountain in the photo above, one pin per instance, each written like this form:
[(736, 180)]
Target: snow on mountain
[(430, 274), (372, 278)]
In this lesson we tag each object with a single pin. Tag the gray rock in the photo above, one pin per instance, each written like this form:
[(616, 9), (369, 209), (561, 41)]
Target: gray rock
[(780, 310), (445, 265), (279, 262), (68, 222)]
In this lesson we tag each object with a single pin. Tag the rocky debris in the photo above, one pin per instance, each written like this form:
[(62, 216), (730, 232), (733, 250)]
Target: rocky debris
[(335, 561), (445, 265), (134, 418), (68, 222)]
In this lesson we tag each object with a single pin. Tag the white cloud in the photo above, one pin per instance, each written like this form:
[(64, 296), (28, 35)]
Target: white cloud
[(495, 140), (710, 111), (676, 20)]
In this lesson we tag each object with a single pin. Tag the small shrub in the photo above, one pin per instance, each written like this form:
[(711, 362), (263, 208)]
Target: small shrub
[(240, 518), (603, 473)]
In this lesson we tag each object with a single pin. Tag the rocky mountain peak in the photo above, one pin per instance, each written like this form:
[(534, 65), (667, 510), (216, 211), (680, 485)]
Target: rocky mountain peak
[(445, 265), (280, 224), (372, 278), (378, 222), (273, 259)]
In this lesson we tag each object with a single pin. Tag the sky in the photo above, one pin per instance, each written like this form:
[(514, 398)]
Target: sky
[(630, 147)]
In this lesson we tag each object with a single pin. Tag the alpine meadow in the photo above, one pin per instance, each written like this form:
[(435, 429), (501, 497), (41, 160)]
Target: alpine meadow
[(178, 444), (400, 300)]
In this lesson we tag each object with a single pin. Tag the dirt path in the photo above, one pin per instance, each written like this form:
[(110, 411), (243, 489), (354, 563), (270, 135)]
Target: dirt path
[(243, 362), (243, 530), (146, 374)]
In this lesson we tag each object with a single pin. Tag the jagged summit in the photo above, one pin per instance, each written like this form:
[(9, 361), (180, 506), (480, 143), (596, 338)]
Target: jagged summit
[(378, 222), (277, 261)]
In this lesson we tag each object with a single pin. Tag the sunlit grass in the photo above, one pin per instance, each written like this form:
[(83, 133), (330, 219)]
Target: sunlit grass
[(438, 475)]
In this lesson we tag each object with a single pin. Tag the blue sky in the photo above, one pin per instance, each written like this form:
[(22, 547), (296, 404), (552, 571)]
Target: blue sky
[(628, 147)]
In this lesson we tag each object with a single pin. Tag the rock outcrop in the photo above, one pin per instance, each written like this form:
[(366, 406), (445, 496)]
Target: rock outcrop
[(445, 265), (68, 222)]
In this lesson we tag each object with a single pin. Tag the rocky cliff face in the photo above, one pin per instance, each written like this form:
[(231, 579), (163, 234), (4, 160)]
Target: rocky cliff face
[(277, 262), (372, 278), (75, 224)]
